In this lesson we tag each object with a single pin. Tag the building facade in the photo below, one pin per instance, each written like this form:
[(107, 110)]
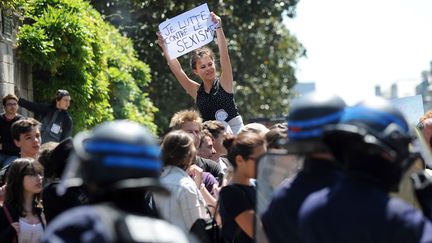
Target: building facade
[(15, 76)]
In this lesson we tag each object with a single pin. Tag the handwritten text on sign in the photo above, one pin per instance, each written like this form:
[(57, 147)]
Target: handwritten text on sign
[(188, 31)]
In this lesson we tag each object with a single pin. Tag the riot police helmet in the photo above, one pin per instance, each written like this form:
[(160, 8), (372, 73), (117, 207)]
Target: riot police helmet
[(306, 119), (113, 156), (372, 136)]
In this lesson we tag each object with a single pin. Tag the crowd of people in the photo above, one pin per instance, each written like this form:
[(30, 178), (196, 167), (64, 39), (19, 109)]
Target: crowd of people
[(119, 183)]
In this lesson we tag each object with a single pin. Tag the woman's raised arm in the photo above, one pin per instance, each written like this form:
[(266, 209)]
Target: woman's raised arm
[(188, 84), (226, 78)]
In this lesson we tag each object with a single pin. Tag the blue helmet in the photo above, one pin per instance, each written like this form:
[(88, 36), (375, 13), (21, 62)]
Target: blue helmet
[(374, 137), (375, 122), (307, 117), (115, 155)]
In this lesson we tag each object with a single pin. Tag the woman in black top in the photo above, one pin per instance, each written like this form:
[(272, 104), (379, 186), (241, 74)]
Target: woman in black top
[(237, 200), (215, 95)]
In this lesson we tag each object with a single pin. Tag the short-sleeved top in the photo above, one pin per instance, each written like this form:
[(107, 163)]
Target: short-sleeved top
[(357, 210), (235, 199), (217, 105)]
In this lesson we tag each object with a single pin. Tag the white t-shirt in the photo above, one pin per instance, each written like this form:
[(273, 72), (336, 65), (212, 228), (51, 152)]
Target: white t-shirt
[(222, 165)]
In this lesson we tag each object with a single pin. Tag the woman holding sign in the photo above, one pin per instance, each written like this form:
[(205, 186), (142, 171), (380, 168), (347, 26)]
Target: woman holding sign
[(215, 95)]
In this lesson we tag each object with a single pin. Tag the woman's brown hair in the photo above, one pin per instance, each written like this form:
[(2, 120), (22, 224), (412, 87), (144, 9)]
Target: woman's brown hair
[(15, 188), (199, 53), (178, 149), (243, 145)]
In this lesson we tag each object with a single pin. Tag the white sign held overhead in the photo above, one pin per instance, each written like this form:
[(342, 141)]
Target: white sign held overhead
[(188, 31), (411, 107)]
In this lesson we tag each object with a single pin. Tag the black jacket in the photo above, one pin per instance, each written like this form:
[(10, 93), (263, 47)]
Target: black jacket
[(8, 145), (54, 130), (54, 204), (208, 165)]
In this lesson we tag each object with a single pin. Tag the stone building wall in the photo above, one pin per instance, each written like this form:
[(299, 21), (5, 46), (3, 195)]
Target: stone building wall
[(15, 76)]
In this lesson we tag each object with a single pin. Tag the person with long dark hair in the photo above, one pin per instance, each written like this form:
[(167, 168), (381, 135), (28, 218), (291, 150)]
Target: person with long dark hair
[(21, 216)]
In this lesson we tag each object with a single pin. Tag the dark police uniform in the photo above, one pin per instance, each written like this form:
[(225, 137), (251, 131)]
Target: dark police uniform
[(358, 210), (280, 218)]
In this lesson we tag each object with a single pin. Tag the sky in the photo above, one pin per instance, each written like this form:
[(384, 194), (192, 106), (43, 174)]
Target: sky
[(353, 45)]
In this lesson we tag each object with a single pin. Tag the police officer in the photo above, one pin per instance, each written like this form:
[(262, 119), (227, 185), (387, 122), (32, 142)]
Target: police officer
[(119, 162), (306, 119), (373, 140)]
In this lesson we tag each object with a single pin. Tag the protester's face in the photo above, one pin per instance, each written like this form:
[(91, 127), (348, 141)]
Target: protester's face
[(29, 143), (206, 149), (11, 107), (427, 131), (194, 129), (251, 161), (205, 68), (33, 183), (63, 103), (218, 144)]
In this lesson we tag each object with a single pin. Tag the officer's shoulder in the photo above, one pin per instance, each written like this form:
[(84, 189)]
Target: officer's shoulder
[(398, 208), (75, 221), (315, 201), (157, 230)]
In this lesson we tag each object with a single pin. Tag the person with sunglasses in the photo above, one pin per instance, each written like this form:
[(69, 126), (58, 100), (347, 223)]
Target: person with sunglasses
[(237, 200), (425, 126), (8, 150)]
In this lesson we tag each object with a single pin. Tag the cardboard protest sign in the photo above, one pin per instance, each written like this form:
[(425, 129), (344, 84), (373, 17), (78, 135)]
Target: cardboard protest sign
[(411, 107), (188, 31)]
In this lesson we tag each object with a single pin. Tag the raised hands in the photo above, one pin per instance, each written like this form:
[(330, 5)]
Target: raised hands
[(216, 19)]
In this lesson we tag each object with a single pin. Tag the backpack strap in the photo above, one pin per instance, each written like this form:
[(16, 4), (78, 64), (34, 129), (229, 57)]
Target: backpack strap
[(9, 217), (46, 128)]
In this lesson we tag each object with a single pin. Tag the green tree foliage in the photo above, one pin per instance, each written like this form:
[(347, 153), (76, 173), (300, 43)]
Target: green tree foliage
[(262, 50), (11, 4), (71, 47)]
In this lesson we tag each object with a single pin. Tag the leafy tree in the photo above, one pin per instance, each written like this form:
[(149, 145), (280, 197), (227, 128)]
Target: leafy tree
[(11, 4), (262, 50), (71, 47)]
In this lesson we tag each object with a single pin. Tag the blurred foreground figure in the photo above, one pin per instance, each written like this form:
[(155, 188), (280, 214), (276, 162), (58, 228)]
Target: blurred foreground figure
[(373, 141), (307, 117), (119, 161)]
